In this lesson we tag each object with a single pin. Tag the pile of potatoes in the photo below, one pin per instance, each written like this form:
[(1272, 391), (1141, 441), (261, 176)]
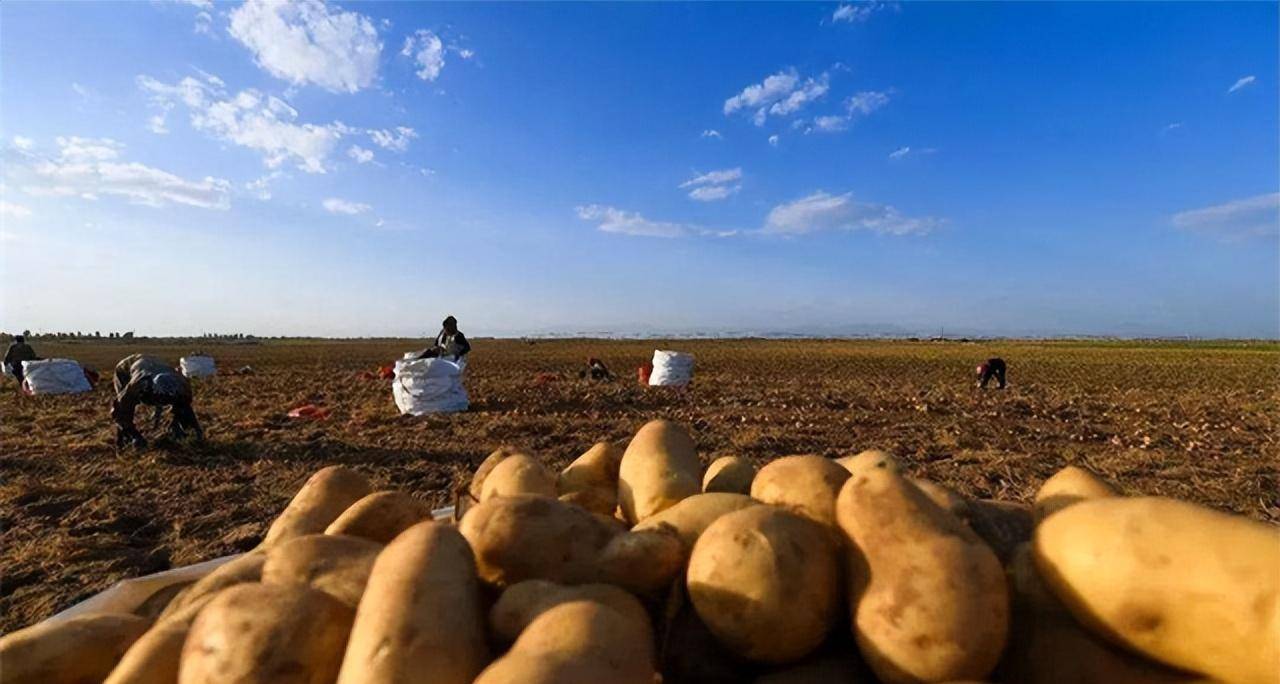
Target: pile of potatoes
[(636, 565)]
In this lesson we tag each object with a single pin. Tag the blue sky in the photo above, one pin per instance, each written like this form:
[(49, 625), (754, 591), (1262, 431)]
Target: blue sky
[(825, 168)]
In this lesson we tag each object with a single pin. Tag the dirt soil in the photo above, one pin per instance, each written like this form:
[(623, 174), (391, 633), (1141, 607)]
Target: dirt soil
[(1196, 421)]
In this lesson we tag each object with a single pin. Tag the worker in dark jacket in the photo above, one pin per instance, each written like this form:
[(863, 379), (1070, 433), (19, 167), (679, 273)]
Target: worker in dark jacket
[(149, 381), (450, 344), (18, 352), (991, 368)]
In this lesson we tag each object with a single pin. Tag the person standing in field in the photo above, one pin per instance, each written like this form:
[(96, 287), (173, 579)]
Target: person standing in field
[(450, 343), (146, 380), (991, 368), (18, 352)]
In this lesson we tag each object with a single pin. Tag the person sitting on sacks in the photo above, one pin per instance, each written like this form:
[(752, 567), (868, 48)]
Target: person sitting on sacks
[(450, 344), (991, 368), (147, 380)]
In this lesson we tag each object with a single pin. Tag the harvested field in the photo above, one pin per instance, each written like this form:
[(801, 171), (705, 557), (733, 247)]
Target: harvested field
[(1196, 421)]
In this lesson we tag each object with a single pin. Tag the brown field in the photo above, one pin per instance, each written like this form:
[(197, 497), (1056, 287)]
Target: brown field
[(1192, 421)]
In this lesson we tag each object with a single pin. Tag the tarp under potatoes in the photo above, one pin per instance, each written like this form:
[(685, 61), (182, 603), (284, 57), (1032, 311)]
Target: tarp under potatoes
[(423, 386), (671, 369), (197, 366), (54, 376)]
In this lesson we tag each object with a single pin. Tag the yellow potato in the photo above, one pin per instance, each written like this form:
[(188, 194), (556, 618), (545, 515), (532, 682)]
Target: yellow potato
[(871, 458), (486, 466), (1180, 583), (580, 642), (659, 468), (1070, 485), (77, 650), (258, 634), (524, 601), (807, 485), (927, 596), (246, 568), (154, 658), (729, 474), (766, 583), (333, 563), (693, 515), (321, 500), (644, 561), (518, 474), (421, 616), (516, 538), (947, 498), (591, 481), (380, 516)]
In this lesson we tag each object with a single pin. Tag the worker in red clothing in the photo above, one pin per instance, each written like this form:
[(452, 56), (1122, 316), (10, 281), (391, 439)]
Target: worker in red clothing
[(991, 368)]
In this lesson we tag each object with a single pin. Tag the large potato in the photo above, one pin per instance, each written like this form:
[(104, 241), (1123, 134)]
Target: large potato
[(380, 516), (78, 650), (518, 474), (321, 500), (524, 601), (659, 468), (927, 596), (263, 634), (421, 616), (591, 481), (246, 568), (1070, 485), (807, 485), (947, 498), (1177, 582), (524, 537), (486, 466), (580, 642), (729, 474), (333, 563), (691, 517), (870, 458), (765, 582), (154, 658), (643, 561)]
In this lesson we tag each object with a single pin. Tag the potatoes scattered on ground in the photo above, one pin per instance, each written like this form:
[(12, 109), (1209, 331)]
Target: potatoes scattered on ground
[(659, 468), (421, 613), (729, 474), (333, 563), (591, 481), (72, 651), (380, 516), (1070, 485), (524, 601), (807, 485), (321, 500), (765, 582), (1180, 583), (693, 515), (518, 474), (927, 596)]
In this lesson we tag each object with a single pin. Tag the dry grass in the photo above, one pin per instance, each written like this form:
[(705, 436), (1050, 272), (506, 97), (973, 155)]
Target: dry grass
[(1197, 422)]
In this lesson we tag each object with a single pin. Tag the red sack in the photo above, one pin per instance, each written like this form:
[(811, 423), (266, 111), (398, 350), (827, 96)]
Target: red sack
[(366, 375), (309, 412), (643, 373), (387, 372)]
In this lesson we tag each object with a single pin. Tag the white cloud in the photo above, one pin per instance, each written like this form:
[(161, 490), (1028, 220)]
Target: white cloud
[(866, 102), (465, 53), (909, 151), (1242, 83), (202, 4), (773, 140), (856, 12), (204, 23), (333, 205), (830, 123), (360, 154), (427, 51), (711, 193), (23, 143), (715, 185), (11, 210), (771, 89), (305, 41), (780, 94), (714, 178), (261, 187), (396, 140), (82, 91), (613, 220), (158, 124), (794, 102), (900, 153), (249, 119), (1171, 127), (712, 133), (90, 167), (1250, 217), (821, 211)]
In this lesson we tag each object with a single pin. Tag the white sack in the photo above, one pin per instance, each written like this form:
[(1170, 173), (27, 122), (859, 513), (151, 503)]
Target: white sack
[(54, 376), (671, 369), (197, 366), (424, 386)]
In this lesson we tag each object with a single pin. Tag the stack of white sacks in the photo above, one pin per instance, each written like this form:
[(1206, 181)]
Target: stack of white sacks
[(671, 369), (197, 366), (54, 376), (423, 386)]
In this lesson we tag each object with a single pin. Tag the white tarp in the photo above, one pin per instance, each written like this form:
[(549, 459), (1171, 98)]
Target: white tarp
[(54, 376), (424, 386), (197, 366), (671, 368)]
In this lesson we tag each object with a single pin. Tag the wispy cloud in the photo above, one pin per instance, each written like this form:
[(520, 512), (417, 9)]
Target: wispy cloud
[(773, 140), (15, 211), (856, 12), (712, 133), (1171, 127), (715, 185), (334, 205), (856, 106), (1250, 217), (906, 151), (427, 51), (780, 94), (1243, 82), (613, 220), (23, 143), (396, 140), (307, 41), (821, 211), (360, 154)]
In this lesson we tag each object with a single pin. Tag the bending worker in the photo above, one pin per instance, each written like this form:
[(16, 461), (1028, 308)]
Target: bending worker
[(991, 368), (147, 380), (450, 343)]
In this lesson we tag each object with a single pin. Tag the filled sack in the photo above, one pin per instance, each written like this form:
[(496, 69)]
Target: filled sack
[(423, 386), (671, 369), (54, 376)]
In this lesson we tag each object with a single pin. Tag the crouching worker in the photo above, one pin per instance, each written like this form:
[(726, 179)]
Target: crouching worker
[(149, 381), (450, 344), (991, 368), (595, 370)]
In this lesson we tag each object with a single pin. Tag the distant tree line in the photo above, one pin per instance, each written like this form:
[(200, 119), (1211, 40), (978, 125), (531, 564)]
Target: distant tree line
[(123, 336)]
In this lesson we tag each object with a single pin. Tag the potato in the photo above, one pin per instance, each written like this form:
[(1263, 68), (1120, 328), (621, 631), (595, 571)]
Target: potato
[(691, 517), (246, 568), (321, 500), (1070, 485), (807, 485), (947, 498), (1180, 583), (524, 601), (591, 481), (155, 604), (421, 616), (333, 563), (659, 468), (765, 582), (486, 466), (380, 516), (1047, 646), (257, 633), (1003, 525), (580, 642), (78, 650), (154, 658), (518, 474), (729, 474), (927, 597), (516, 538), (644, 562), (870, 458)]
